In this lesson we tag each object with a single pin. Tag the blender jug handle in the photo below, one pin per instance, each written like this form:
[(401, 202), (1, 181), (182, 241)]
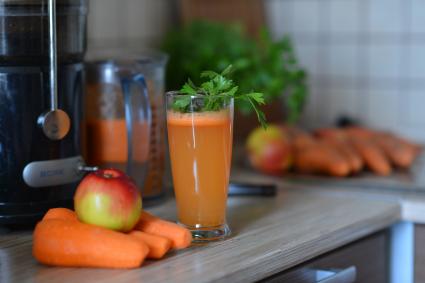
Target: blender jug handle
[(134, 114)]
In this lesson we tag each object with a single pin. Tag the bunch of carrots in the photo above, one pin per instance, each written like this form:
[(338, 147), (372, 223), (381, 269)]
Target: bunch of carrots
[(344, 151), (60, 239)]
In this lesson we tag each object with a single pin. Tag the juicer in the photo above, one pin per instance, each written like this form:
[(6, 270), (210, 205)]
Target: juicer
[(41, 92)]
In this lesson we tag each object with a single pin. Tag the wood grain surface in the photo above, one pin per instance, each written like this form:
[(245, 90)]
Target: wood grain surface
[(269, 235)]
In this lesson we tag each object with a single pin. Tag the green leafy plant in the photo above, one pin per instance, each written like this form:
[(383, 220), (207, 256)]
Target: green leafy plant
[(215, 90), (264, 65)]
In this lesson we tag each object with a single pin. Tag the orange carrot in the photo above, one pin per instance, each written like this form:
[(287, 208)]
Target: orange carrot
[(373, 156), (360, 132), (414, 147), (320, 158), (345, 150), (364, 141), (302, 140), (341, 142), (314, 156), (71, 243), (333, 133), (180, 237), (60, 213), (399, 153), (158, 246)]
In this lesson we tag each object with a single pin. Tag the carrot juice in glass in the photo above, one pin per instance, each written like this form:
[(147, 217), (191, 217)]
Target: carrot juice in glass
[(200, 144)]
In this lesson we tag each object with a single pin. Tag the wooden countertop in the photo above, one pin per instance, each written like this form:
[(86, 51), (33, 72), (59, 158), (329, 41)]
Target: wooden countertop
[(412, 202), (269, 235)]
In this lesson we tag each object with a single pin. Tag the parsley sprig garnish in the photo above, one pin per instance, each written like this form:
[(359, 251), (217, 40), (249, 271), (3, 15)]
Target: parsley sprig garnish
[(216, 89)]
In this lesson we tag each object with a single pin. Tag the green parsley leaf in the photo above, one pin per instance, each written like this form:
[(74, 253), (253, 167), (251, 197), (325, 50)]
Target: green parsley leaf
[(231, 92), (216, 89), (227, 71), (188, 89), (182, 103), (208, 74), (257, 96)]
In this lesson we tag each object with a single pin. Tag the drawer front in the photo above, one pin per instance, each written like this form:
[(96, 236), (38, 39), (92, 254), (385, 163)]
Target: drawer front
[(366, 258), (309, 275), (419, 253)]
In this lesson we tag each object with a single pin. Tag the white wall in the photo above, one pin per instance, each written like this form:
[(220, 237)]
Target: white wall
[(366, 59)]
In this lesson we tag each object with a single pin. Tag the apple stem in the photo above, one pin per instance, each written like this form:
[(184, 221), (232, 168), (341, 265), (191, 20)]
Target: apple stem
[(108, 173)]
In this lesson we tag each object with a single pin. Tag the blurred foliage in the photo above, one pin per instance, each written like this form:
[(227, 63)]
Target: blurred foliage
[(267, 66)]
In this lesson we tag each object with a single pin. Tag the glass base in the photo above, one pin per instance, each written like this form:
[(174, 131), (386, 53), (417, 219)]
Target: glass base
[(208, 234)]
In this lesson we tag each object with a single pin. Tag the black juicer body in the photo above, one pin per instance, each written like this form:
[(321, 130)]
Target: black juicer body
[(37, 173)]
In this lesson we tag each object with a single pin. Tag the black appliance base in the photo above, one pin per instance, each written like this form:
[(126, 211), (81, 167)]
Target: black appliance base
[(23, 97), (28, 213)]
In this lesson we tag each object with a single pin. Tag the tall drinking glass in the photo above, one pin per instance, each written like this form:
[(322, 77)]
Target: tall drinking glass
[(200, 144)]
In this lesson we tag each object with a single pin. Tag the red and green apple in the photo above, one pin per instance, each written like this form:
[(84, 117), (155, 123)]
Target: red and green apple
[(269, 150), (108, 198)]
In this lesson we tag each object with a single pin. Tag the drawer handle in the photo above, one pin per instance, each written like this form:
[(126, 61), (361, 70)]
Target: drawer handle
[(347, 275)]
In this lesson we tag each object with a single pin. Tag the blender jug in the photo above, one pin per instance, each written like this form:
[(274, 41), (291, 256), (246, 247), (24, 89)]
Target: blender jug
[(117, 118), (152, 65)]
